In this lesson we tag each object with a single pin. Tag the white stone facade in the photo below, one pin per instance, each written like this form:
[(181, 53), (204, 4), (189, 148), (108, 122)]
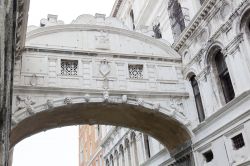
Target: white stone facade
[(140, 58)]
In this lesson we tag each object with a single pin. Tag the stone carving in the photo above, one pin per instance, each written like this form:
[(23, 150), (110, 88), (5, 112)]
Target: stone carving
[(87, 97), (102, 41), (156, 106), (157, 31), (156, 28), (105, 69), (140, 101), (50, 104), (67, 101), (124, 98), (176, 106), (25, 103), (33, 80), (106, 95)]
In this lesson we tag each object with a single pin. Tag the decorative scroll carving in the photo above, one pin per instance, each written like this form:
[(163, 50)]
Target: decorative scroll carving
[(87, 97), (106, 96), (25, 103), (50, 104), (124, 98), (67, 101)]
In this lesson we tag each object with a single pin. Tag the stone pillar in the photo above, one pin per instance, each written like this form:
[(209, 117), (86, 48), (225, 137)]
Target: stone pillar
[(7, 54), (237, 65)]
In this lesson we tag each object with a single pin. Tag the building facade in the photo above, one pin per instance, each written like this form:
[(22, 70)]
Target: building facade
[(90, 151), (212, 38), (178, 71)]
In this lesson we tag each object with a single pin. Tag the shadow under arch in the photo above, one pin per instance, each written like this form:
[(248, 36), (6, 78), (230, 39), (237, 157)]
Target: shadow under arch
[(166, 129)]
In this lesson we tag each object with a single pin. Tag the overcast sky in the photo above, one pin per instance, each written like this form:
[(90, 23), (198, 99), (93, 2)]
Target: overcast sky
[(67, 10), (57, 147)]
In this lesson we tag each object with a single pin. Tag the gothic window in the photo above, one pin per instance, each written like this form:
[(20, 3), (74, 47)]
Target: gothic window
[(135, 71), (197, 98), (238, 141), (134, 147), (224, 77), (122, 155), (128, 151), (176, 18), (111, 160), (208, 156), (147, 146), (69, 67), (107, 162), (132, 18)]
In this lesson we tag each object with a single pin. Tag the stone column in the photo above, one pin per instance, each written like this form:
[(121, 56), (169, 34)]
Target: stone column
[(7, 54), (237, 65)]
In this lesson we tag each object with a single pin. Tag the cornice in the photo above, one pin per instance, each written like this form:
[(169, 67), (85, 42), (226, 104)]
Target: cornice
[(93, 53), (195, 23), (210, 9), (29, 89), (87, 27), (233, 46)]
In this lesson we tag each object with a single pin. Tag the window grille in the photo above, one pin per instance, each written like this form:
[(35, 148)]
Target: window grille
[(238, 141), (135, 71), (69, 67)]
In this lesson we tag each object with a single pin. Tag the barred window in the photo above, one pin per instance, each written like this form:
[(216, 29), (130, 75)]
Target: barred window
[(238, 141), (208, 156), (69, 67), (135, 71)]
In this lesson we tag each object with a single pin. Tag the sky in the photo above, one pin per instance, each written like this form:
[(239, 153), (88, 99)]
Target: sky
[(67, 10), (56, 147)]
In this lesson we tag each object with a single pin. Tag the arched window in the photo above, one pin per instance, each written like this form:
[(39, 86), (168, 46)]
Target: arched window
[(122, 156), (134, 148), (111, 160), (132, 18), (176, 18), (117, 157), (127, 144), (147, 146), (107, 162), (224, 77), (197, 98)]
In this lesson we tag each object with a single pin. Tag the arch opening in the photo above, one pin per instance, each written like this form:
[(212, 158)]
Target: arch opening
[(165, 129)]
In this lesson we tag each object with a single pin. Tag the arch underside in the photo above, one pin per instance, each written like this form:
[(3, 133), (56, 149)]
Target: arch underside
[(165, 129)]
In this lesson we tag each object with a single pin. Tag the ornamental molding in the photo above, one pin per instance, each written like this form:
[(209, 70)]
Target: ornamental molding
[(26, 106), (233, 46), (204, 73), (210, 9)]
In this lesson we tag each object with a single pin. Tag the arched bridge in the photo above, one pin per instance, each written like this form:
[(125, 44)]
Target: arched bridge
[(96, 71)]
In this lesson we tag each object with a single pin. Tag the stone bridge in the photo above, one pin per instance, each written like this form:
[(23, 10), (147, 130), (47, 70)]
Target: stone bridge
[(96, 71)]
